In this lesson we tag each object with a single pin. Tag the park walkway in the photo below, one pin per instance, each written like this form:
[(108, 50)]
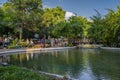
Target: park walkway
[(6, 51)]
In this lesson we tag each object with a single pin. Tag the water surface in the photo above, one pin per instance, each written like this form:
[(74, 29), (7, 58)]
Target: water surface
[(82, 64)]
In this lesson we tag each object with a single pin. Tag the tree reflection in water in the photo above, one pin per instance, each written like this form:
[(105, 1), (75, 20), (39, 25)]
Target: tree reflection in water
[(83, 64)]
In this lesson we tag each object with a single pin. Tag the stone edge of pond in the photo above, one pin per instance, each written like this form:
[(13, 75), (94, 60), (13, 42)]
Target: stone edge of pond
[(109, 48), (4, 51), (89, 46), (54, 76)]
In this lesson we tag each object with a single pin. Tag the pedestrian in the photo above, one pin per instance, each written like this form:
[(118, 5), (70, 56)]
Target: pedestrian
[(1, 41)]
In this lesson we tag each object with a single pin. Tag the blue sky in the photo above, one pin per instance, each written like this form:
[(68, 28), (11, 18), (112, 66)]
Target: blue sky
[(83, 7)]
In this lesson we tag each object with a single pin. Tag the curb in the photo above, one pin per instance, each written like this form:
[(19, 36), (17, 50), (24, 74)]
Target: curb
[(33, 49)]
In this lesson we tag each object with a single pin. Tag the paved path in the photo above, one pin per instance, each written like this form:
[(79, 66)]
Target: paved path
[(3, 51), (110, 48)]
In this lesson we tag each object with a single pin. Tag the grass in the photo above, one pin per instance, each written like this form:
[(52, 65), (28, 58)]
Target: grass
[(17, 73)]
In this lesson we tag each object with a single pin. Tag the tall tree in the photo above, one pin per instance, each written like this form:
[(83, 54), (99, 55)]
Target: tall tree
[(112, 24), (106, 29), (51, 17), (71, 28), (26, 14), (1, 20), (95, 31), (1, 15)]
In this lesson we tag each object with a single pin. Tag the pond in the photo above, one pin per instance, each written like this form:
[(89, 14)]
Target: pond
[(82, 64)]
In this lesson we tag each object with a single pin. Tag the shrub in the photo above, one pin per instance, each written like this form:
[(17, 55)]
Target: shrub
[(38, 46), (12, 46), (24, 44)]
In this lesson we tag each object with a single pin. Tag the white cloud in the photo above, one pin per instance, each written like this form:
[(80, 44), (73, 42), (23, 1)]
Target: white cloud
[(46, 6), (68, 15)]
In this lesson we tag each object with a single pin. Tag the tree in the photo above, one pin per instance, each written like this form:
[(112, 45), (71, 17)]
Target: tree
[(106, 29), (51, 17), (1, 16), (71, 28), (25, 14), (78, 25), (95, 31), (1, 20), (112, 24)]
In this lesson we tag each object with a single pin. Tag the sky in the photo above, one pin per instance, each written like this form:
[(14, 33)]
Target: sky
[(84, 8)]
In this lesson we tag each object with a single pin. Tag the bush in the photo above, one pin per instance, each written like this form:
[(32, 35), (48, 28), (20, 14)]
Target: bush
[(15, 44), (12, 46), (38, 46), (24, 44)]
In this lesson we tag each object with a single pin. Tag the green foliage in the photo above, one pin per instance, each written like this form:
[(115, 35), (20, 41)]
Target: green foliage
[(27, 17), (1, 20), (23, 14), (51, 17), (106, 29), (71, 28), (16, 73), (1, 17), (112, 24), (14, 44), (78, 25), (61, 29), (24, 44), (95, 30)]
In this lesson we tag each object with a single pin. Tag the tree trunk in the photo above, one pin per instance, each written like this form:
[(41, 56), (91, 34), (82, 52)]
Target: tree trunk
[(20, 35), (21, 30)]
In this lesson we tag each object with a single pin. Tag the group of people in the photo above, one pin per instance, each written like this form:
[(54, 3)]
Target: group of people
[(29, 42), (58, 42), (49, 42), (5, 41)]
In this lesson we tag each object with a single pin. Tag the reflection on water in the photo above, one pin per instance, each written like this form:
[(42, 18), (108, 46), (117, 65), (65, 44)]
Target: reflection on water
[(4, 59), (86, 73), (83, 64)]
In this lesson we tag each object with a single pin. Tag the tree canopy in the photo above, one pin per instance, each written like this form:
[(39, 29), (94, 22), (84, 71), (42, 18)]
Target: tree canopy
[(71, 28), (23, 14), (28, 17)]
